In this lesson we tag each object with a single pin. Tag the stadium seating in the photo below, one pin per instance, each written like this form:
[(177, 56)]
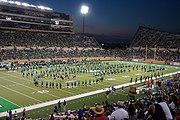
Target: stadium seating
[(34, 39), (43, 53), (153, 37), (37, 45), (17, 54)]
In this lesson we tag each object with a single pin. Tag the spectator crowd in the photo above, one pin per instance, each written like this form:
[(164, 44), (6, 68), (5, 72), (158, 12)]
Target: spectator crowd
[(154, 37), (39, 45), (162, 105), (40, 39), (44, 53)]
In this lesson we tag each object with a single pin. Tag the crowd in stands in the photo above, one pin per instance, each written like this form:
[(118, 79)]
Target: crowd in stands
[(161, 55), (153, 37), (39, 45), (16, 54), (38, 39), (144, 37), (162, 105), (54, 53)]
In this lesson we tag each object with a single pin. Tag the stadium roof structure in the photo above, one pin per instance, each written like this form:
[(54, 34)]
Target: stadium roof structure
[(25, 4)]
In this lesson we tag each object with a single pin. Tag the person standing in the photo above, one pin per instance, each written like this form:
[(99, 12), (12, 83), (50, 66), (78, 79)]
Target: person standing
[(24, 113), (120, 113), (59, 105), (52, 117), (98, 110), (64, 105), (131, 80), (7, 115), (60, 85), (55, 110), (10, 114), (141, 79), (84, 107), (165, 108), (131, 111), (15, 115), (155, 112), (136, 80), (80, 114)]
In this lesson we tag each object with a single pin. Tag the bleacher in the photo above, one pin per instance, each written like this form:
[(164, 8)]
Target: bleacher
[(152, 37), (44, 39)]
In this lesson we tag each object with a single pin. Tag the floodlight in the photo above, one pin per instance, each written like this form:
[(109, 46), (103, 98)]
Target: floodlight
[(56, 22), (25, 4), (3, 0), (44, 8), (17, 3), (84, 9), (41, 7), (8, 18), (12, 2), (32, 6)]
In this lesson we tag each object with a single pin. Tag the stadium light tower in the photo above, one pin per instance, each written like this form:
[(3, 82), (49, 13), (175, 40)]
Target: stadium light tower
[(84, 11)]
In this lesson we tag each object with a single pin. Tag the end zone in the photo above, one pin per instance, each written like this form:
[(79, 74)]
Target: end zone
[(6, 105)]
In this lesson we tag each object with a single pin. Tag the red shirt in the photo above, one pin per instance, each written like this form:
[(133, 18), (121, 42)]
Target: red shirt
[(100, 117), (152, 81)]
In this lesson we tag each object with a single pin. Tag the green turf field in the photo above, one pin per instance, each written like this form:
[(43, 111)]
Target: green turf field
[(7, 105), (22, 91)]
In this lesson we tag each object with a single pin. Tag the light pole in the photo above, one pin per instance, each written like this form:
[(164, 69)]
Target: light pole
[(84, 11)]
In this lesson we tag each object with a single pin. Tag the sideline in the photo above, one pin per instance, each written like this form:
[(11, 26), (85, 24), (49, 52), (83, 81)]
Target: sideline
[(40, 105)]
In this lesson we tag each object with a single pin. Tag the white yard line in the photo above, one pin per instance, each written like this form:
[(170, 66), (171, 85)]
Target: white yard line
[(40, 105), (65, 91), (20, 93), (28, 87), (45, 93), (79, 89), (93, 86)]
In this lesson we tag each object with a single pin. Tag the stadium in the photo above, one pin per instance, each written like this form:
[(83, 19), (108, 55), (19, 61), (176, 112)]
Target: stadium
[(47, 71)]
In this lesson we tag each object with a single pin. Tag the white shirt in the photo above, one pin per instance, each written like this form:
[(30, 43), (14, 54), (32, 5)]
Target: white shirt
[(166, 110), (172, 105), (68, 111), (7, 114), (71, 115), (119, 114)]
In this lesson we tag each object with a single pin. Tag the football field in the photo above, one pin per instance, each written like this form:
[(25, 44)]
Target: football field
[(17, 90)]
